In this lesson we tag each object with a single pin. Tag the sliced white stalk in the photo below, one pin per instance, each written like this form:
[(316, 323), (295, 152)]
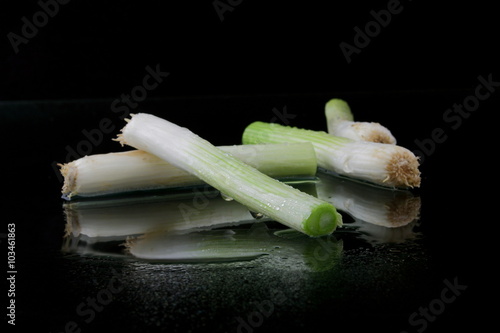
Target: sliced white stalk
[(238, 180), (378, 163), (340, 122), (138, 170), (375, 205)]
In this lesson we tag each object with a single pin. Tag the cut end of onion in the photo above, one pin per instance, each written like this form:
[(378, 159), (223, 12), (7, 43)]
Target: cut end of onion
[(120, 139), (70, 174), (402, 170), (322, 221)]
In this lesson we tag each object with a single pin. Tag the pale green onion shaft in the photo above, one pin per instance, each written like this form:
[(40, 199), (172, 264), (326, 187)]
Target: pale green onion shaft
[(137, 170), (378, 163), (238, 180), (340, 122)]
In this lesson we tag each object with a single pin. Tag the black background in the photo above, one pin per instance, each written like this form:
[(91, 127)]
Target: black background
[(100, 49), (224, 74)]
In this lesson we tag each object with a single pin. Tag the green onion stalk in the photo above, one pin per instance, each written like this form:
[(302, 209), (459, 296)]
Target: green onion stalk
[(340, 122), (377, 163), (236, 179), (133, 171)]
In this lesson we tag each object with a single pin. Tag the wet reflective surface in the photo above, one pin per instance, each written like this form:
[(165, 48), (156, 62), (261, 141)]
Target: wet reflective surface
[(217, 267), (148, 263), (200, 224)]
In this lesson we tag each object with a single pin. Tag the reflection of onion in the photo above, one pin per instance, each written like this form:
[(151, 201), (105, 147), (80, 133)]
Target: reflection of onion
[(134, 216), (213, 245), (287, 247), (380, 234), (380, 206), (403, 210)]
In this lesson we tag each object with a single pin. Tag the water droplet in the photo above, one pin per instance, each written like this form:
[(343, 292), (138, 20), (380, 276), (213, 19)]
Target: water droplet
[(257, 215), (226, 197)]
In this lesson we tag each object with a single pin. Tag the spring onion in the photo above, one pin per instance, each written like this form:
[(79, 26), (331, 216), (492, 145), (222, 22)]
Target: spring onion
[(340, 122), (236, 179), (378, 163), (136, 170)]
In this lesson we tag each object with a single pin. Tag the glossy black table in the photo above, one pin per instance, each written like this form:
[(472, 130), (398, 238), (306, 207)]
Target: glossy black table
[(425, 276)]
